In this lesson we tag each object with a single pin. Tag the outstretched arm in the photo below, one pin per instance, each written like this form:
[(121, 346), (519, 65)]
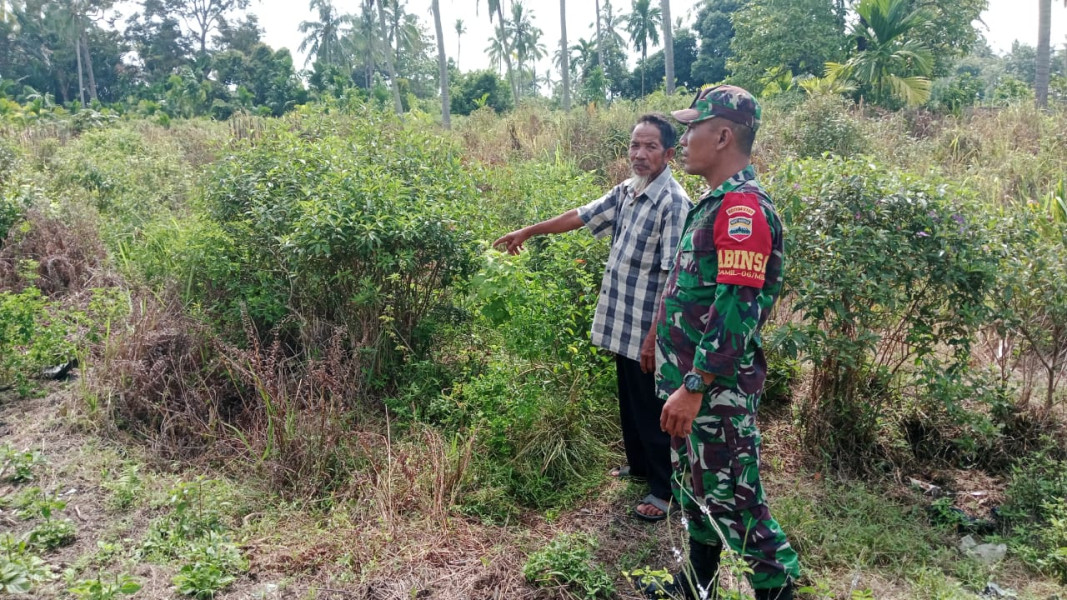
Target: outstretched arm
[(568, 221)]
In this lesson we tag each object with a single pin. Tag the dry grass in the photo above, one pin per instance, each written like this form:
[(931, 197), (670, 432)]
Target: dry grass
[(58, 255)]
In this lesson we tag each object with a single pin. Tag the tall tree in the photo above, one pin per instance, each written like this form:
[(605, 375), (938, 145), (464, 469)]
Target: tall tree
[(643, 26), (888, 62), (565, 67), (586, 57), (599, 42), (394, 85), (442, 65), (1044, 36), (794, 37), (322, 38), (526, 41), (668, 45), (156, 36), (715, 28), (203, 17), (460, 30), (496, 8)]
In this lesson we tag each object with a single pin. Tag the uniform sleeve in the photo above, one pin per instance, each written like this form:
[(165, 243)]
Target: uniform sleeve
[(672, 223), (743, 245), (599, 215)]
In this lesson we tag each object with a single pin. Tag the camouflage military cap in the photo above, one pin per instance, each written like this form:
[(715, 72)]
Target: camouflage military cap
[(726, 101)]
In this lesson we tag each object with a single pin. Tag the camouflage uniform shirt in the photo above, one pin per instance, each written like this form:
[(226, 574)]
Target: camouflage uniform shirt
[(726, 276)]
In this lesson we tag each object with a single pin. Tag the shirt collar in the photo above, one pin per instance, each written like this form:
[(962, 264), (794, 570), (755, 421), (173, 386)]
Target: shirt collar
[(740, 178), (652, 191)]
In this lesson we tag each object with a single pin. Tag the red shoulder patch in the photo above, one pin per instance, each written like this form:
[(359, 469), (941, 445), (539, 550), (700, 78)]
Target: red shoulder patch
[(742, 240)]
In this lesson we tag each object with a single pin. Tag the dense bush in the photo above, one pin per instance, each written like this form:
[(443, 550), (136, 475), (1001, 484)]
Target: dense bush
[(129, 174), (1032, 292), (322, 225), (822, 123), (894, 270)]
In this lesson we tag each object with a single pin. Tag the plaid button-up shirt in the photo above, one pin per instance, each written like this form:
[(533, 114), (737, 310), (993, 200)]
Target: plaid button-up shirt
[(644, 231)]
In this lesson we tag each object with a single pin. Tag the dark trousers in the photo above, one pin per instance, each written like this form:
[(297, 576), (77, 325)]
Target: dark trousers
[(648, 448)]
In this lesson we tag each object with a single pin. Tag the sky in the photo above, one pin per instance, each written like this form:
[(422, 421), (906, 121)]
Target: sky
[(1004, 22)]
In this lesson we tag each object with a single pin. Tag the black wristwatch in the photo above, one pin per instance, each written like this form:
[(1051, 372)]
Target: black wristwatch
[(694, 382)]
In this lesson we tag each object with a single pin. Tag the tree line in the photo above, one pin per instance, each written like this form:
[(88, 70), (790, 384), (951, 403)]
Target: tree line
[(184, 58)]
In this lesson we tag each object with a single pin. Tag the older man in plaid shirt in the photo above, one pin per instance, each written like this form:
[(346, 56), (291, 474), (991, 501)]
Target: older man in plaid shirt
[(644, 216)]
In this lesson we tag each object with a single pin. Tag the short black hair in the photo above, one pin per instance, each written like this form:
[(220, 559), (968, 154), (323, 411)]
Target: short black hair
[(745, 137), (668, 136)]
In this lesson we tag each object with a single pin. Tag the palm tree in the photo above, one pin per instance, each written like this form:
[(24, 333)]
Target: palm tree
[(565, 67), (460, 30), (442, 65), (322, 38), (404, 34), (585, 56), (889, 60), (497, 7), (495, 52), (642, 24), (1044, 58), (668, 44), (393, 84), (599, 42), (526, 38), (610, 23), (360, 43)]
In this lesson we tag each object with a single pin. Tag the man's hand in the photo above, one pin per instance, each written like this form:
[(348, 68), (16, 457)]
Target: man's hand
[(679, 411), (513, 241), (648, 351)]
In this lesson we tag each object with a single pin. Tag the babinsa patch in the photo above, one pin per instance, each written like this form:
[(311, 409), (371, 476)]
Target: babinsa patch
[(739, 226)]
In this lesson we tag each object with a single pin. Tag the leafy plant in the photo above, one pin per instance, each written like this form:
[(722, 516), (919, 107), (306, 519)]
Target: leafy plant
[(109, 589), (567, 562), (894, 272), (32, 503), (34, 333), (125, 488), (52, 533), (211, 564), (196, 512), (17, 467), (19, 569)]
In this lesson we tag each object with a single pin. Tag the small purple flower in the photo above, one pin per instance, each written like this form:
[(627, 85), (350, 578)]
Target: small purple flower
[(859, 216), (958, 218), (796, 186), (922, 234)]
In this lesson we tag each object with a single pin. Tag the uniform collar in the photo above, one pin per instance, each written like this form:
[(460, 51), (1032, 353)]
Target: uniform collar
[(652, 192), (739, 179)]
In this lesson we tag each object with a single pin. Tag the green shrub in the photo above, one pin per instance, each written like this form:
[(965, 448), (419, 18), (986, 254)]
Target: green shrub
[(822, 123), (567, 562), (887, 269), (1035, 481), (34, 334), (350, 224), (129, 175), (1032, 284)]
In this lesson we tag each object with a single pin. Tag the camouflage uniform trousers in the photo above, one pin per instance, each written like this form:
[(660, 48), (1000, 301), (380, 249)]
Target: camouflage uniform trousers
[(716, 482)]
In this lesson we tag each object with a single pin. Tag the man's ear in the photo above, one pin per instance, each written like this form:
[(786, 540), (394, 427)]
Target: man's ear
[(726, 135), (670, 153)]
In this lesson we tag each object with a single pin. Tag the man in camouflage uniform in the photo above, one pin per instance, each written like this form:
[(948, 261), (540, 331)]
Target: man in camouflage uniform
[(710, 364)]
